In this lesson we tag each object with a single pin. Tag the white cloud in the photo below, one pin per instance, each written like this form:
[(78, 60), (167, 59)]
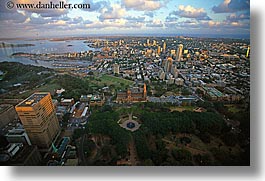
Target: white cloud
[(155, 23), (191, 12), (143, 5), (43, 12), (113, 12)]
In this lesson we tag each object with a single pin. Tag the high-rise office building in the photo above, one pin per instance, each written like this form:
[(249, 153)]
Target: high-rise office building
[(154, 43), (38, 116), (179, 52), (248, 51), (174, 71), (158, 50), (164, 47), (168, 64), (148, 42), (172, 52)]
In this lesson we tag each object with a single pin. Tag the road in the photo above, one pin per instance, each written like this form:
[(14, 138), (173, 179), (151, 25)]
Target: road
[(81, 156), (133, 153)]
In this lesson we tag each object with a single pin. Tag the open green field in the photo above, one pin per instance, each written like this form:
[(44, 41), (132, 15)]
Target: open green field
[(112, 80), (232, 108), (182, 108), (50, 87)]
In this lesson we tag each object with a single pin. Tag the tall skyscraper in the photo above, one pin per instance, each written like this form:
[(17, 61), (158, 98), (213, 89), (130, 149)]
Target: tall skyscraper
[(148, 42), (158, 50), (164, 47), (168, 64), (179, 52), (248, 51), (38, 116), (154, 43), (144, 92)]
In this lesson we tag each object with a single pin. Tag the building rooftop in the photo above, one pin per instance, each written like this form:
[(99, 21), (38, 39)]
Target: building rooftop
[(66, 100), (15, 132), (22, 155), (32, 100)]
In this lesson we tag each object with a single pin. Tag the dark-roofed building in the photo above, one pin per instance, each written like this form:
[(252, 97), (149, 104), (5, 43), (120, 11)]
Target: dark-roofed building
[(28, 156), (18, 136)]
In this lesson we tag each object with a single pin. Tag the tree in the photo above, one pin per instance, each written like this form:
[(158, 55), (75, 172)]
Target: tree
[(230, 139), (202, 160), (105, 123), (205, 137), (182, 155), (141, 145), (78, 133)]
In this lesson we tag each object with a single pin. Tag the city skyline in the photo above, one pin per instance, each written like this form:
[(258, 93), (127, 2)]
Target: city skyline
[(217, 18)]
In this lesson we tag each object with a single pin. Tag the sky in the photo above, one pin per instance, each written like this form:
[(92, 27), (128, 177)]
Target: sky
[(128, 17)]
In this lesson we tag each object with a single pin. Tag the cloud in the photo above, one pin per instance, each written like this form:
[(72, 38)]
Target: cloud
[(87, 22), (142, 5), (222, 8), (191, 12), (228, 6), (45, 12), (113, 12), (171, 21), (239, 5), (155, 23), (95, 6), (11, 15), (207, 26), (15, 17), (189, 24), (38, 20), (114, 24), (236, 17), (4, 9), (135, 19), (149, 14)]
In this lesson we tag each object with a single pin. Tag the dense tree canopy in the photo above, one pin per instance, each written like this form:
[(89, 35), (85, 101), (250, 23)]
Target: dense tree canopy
[(106, 123), (182, 122), (141, 145)]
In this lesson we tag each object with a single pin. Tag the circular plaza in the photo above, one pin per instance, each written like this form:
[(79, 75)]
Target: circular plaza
[(129, 124)]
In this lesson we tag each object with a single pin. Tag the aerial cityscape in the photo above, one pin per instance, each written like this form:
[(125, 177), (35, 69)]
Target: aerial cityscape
[(125, 83)]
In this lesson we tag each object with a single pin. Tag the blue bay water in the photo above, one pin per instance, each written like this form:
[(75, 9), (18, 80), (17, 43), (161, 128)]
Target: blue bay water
[(43, 46)]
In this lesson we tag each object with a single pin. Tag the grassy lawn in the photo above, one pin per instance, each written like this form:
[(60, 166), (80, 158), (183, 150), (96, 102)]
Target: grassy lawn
[(50, 87), (1, 77), (112, 80), (232, 108), (182, 108), (109, 79)]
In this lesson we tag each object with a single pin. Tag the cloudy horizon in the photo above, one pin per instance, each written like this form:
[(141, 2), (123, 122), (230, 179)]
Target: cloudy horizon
[(121, 17)]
